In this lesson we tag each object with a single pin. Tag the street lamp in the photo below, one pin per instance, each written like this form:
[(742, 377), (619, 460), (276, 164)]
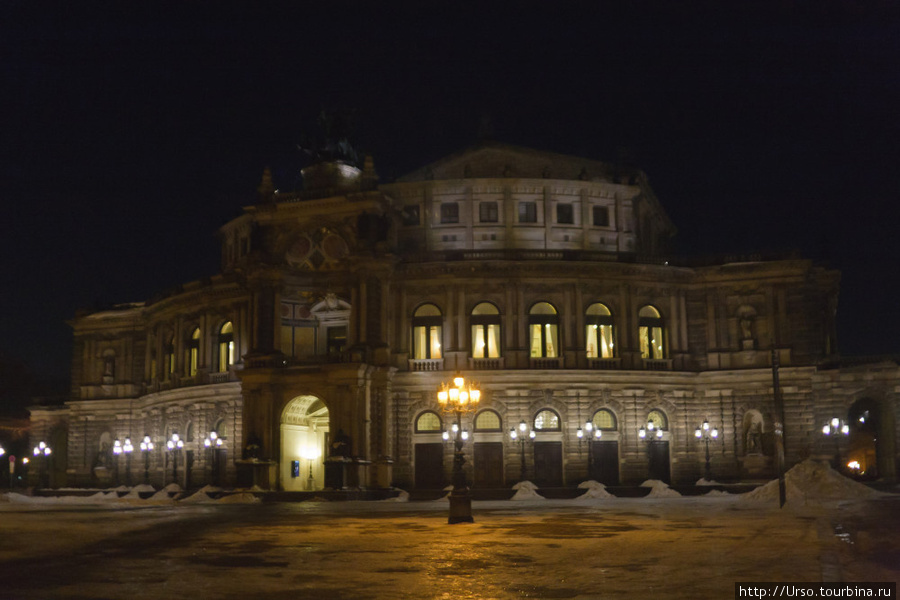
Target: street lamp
[(588, 432), (650, 431), (213, 442), (146, 447), (174, 445), (310, 453), (42, 451), (521, 437), (456, 398), (706, 434), (836, 428)]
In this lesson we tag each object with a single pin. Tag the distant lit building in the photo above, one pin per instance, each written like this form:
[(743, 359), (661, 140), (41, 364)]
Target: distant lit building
[(315, 356)]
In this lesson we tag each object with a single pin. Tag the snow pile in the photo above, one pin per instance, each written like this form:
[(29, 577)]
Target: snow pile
[(704, 481), (403, 496), (239, 498), (525, 490), (202, 495), (716, 493), (812, 480), (659, 489), (136, 491), (595, 489)]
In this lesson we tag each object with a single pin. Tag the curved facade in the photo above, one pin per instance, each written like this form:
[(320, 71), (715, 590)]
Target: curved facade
[(315, 356)]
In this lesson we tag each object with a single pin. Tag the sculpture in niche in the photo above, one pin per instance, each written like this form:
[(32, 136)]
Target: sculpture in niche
[(746, 317), (753, 432)]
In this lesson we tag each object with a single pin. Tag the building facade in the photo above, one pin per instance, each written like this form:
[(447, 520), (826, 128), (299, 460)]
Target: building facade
[(313, 359)]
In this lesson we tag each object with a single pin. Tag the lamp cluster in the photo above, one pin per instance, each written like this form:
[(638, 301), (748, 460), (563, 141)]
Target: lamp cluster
[(648, 430), (120, 447), (42, 449), (459, 395), (836, 426), (587, 431), (705, 431)]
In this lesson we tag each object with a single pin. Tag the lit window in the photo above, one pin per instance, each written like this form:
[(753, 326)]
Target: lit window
[(604, 419), (657, 418), (192, 362), (546, 420), (651, 332), (527, 212), (543, 326), (485, 331), (601, 216), (336, 339), (427, 322), (169, 358), (487, 212), (487, 420), (226, 347), (428, 422), (599, 332), (565, 214), (449, 212)]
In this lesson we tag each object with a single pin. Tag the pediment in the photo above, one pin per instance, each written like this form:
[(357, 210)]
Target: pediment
[(495, 160)]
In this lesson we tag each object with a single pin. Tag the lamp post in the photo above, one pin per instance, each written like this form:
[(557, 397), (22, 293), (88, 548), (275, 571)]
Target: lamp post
[(836, 428), (42, 451), (213, 442), (456, 398), (2, 452), (651, 433), (588, 432), (521, 437), (146, 448), (126, 448), (174, 444), (706, 434), (310, 453)]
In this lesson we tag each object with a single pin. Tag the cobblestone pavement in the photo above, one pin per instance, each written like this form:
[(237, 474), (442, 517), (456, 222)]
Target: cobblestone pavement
[(618, 548)]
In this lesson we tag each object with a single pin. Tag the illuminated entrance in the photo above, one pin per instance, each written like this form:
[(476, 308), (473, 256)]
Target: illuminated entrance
[(304, 435)]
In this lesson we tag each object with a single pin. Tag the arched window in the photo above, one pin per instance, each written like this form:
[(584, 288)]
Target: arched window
[(169, 358), (226, 346), (543, 326), (546, 420), (427, 322), (652, 333), (428, 422), (487, 420), (485, 331), (658, 419), (109, 366), (221, 429), (604, 419), (599, 331), (192, 360)]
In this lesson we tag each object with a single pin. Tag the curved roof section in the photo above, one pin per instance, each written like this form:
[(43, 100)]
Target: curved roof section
[(495, 159)]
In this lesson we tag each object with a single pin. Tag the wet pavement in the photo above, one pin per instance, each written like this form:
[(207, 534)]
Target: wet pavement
[(614, 548)]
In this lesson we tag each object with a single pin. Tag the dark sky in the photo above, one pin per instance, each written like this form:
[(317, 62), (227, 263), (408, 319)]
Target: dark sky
[(128, 135)]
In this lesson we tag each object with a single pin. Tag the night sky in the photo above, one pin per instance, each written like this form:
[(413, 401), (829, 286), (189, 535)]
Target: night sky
[(130, 135)]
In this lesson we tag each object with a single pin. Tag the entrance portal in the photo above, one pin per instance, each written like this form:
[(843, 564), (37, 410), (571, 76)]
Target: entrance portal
[(304, 433)]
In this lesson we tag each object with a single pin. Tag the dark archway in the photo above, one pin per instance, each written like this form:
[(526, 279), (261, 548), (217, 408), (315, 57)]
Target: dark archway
[(871, 443)]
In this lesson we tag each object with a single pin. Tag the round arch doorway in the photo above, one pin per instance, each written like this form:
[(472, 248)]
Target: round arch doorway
[(304, 437)]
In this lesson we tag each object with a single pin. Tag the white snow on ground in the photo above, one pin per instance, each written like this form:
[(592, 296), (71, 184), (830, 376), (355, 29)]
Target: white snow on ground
[(812, 481), (403, 496), (659, 489), (526, 490), (595, 490), (704, 481)]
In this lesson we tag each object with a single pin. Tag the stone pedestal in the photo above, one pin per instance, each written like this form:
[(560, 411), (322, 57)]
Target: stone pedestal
[(757, 466), (384, 472), (460, 507), (255, 473), (337, 473)]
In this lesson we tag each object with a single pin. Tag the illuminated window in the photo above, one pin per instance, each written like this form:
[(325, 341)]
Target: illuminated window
[(651, 332), (599, 332), (487, 420), (428, 422), (488, 213), (485, 331), (604, 420), (449, 212), (543, 330), (658, 419), (546, 420), (226, 347), (427, 322), (192, 358), (169, 358), (336, 339), (565, 214), (601, 216), (527, 212)]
